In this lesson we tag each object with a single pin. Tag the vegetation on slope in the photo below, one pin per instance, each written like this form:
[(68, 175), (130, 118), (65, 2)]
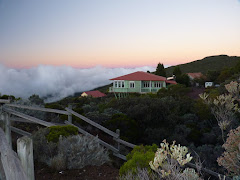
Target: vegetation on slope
[(212, 63)]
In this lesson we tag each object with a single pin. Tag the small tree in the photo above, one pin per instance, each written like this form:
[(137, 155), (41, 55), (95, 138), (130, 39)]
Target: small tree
[(160, 71), (223, 107), (212, 75), (183, 79), (177, 71)]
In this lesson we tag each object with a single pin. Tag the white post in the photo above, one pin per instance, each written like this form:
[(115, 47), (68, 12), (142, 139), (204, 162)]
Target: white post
[(11, 164), (8, 129), (25, 153)]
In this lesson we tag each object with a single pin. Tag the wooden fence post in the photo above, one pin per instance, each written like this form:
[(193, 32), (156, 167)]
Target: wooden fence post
[(25, 153), (8, 129), (11, 165), (70, 115), (118, 144)]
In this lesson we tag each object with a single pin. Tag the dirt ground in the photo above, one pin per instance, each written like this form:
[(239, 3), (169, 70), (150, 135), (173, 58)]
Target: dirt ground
[(104, 172)]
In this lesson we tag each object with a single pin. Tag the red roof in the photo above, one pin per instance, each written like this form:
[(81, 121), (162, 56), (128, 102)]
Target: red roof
[(95, 93), (171, 82), (140, 76), (195, 75)]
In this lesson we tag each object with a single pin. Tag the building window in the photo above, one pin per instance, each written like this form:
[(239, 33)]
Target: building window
[(119, 84), (146, 84), (132, 84), (122, 84), (157, 84)]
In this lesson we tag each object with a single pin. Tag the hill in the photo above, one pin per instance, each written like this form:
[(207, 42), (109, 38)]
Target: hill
[(208, 63)]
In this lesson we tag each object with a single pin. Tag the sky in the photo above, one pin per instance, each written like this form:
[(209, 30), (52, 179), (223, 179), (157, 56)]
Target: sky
[(116, 33), (60, 47)]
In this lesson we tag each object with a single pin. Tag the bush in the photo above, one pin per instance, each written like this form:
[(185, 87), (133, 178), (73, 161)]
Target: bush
[(230, 159), (72, 152), (58, 162), (202, 110), (139, 157), (168, 164), (174, 90), (43, 150), (56, 131), (81, 151), (54, 106), (128, 127)]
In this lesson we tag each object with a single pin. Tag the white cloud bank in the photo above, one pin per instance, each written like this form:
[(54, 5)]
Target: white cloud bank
[(59, 82)]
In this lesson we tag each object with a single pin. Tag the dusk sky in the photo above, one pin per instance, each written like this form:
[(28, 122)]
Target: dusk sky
[(111, 33)]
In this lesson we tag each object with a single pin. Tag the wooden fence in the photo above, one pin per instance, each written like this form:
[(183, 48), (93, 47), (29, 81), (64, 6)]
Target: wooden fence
[(21, 117)]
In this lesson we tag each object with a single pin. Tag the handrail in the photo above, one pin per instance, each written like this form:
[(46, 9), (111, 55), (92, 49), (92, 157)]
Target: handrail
[(38, 109), (128, 144), (4, 100), (20, 131), (30, 118), (93, 123)]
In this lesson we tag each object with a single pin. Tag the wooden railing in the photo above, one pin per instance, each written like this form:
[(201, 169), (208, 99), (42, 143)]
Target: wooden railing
[(21, 117)]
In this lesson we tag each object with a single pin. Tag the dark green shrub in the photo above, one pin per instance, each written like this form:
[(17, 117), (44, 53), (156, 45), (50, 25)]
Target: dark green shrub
[(56, 131), (138, 158), (54, 106), (8, 97), (183, 79), (212, 91), (163, 92), (128, 127), (202, 110), (174, 90)]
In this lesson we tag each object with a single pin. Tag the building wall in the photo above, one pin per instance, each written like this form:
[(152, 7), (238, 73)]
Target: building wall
[(152, 88), (84, 94), (139, 87), (127, 88)]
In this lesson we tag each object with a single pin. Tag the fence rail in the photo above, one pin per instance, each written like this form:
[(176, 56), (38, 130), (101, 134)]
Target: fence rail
[(93, 123), (128, 144), (108, 146), (30, 118), (4, 101), (20, 131), (38, 108)]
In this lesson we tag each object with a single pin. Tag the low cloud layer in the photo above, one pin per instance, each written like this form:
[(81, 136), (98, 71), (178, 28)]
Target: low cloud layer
[(59, 82)]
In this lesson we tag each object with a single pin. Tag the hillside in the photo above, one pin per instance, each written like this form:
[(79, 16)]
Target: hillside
[(207, 63)]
